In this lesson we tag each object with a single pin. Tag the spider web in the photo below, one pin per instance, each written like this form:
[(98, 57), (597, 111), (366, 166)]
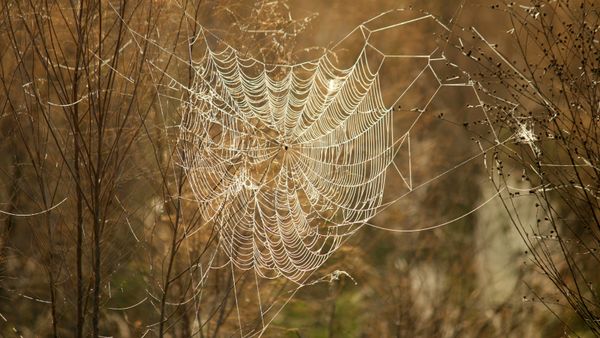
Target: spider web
[(287, 161), (286, 168)]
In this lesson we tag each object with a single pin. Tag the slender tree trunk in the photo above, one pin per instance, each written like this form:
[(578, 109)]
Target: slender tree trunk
[(77, 174), (97, 182), (174, 246)]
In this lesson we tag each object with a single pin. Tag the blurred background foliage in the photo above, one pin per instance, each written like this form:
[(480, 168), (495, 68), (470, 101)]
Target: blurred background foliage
[(143, 248)]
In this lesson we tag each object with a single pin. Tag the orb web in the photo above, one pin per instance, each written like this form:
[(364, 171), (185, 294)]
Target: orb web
[(287, 161)]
